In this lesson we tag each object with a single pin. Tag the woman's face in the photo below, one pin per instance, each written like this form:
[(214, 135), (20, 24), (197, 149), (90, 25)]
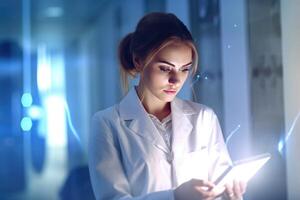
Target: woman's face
[(163, 78)]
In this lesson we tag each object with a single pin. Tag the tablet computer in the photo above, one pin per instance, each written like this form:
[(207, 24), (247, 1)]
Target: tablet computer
[(242, 170)]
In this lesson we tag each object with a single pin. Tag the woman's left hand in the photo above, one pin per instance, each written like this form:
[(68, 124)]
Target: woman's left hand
[(235, 190)]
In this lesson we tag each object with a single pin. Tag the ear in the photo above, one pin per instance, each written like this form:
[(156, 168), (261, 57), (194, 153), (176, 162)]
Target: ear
[(137, 63)]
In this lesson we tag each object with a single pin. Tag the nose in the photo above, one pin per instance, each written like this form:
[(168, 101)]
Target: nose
[(174, 78)]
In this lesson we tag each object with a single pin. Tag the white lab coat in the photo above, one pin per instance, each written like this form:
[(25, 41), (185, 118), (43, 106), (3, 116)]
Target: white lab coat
[(128, 158)]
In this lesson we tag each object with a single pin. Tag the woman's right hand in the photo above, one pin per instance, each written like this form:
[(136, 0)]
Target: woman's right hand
[(195, 189)]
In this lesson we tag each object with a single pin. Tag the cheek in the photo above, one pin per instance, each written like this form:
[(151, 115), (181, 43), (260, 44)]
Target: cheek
[(156, 78), (159, 80)]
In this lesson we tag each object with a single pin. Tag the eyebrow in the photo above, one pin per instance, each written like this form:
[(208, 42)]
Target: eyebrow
[(168, 63)]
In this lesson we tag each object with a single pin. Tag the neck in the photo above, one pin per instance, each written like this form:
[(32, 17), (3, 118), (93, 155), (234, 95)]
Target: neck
[(153, 105)]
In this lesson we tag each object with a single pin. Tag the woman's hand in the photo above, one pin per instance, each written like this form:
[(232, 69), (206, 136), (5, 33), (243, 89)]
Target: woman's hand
[(195, 189), (235, 190)]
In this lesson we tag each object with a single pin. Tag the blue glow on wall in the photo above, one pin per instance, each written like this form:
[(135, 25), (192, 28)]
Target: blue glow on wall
[(26, 100), (26, 124)]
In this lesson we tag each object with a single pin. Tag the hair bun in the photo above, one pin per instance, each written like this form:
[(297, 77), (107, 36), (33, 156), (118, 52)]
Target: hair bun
[(125, 52)]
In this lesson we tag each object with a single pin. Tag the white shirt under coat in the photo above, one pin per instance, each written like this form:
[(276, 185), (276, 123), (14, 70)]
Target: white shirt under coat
[(129, 159)]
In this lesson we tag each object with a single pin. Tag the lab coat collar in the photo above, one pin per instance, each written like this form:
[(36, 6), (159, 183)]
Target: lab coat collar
[(137, 119), (131, 107), (181, 125)]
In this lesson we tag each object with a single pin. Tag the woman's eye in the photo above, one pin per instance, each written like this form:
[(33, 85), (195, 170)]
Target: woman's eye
[(165, 69), (186, 69)]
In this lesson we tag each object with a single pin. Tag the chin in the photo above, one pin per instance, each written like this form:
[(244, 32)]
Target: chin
[(168, 99), (165, 97)]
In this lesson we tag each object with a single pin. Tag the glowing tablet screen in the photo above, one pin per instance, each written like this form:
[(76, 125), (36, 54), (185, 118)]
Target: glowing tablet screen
[(242, 170)]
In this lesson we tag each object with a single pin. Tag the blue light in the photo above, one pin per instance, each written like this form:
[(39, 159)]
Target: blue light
[(232, 133), (35, 112), (70, 121), (26, 100), (280, 146), (196, 80), (283, 142), (26, 124)]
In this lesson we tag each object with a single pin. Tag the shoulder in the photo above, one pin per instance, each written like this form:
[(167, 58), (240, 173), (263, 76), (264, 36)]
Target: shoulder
[(106, 115), (103, 124)]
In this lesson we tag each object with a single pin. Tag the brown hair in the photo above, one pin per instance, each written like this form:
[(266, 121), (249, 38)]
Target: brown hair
[(153, 32)]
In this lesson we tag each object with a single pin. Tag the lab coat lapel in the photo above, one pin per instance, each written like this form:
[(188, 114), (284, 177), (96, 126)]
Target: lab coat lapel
[(138, 121), (181, 124)]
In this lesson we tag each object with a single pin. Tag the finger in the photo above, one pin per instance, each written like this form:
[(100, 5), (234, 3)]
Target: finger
[(243, 186), (219, 190), (228, 196), (205, 188), (229, 191), (228, 188), (207, 194), (236, 189), (202, 183)]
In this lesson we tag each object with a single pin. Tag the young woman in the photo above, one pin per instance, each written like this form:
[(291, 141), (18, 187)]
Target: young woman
[(153, 145)]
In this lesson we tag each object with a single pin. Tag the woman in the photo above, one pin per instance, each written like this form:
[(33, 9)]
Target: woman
[(153, 145)]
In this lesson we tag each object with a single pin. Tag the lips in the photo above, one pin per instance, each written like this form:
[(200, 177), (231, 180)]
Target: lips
[(170, 91)]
